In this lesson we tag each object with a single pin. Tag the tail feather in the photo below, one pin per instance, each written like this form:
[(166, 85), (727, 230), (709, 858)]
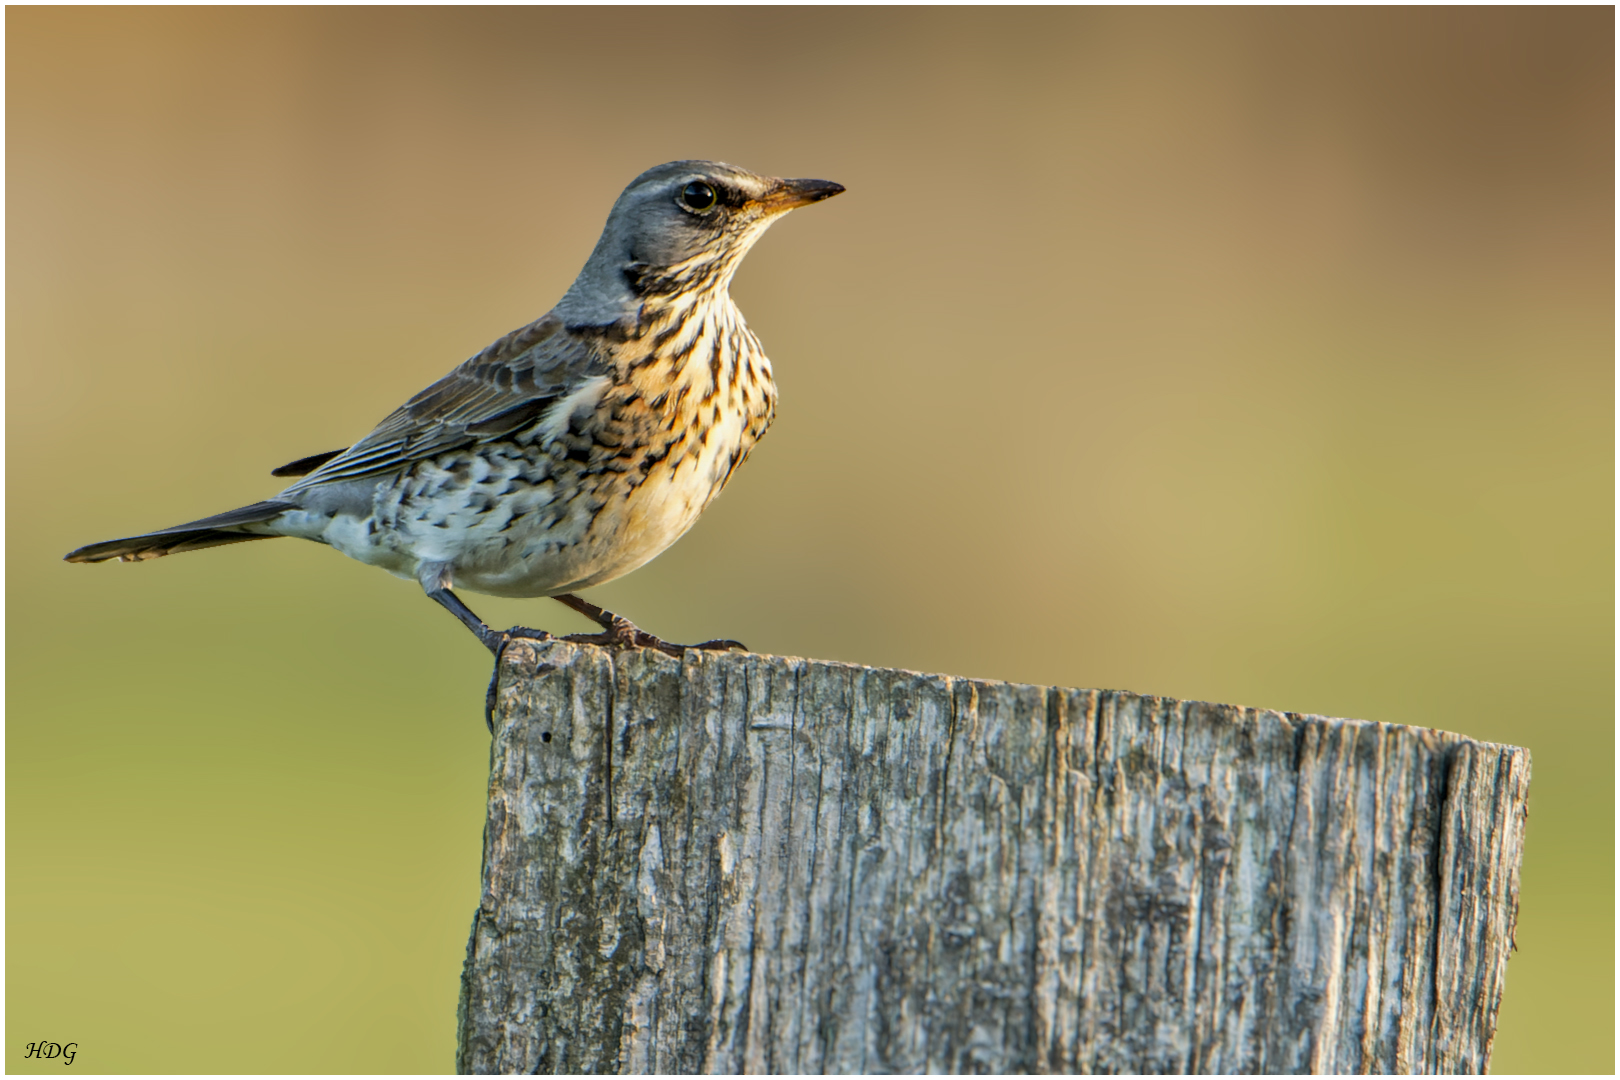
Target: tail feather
[(192, 536)]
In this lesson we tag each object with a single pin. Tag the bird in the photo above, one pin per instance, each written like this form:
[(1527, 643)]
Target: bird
[(572, 450)]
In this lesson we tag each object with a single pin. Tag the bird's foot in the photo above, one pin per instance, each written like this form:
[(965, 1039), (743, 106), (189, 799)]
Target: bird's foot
[(620, 633), (496, 642), (627, 635), (437, 583)]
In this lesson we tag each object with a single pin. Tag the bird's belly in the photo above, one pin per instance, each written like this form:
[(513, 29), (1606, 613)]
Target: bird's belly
[(525, 524), (615, 528)]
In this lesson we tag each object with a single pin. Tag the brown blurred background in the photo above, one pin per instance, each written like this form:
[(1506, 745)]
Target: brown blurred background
[(1257, 356)]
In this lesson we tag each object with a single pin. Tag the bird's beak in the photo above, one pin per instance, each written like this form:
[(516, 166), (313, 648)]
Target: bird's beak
[(784, 195)]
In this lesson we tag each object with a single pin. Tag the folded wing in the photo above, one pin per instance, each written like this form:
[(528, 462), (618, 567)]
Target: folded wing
[(497, 393)]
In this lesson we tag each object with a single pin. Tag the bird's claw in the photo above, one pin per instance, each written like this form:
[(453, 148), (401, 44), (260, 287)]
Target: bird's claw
[(625, 634), (617, 633), (718, 645), (620, 633), (496, 642)]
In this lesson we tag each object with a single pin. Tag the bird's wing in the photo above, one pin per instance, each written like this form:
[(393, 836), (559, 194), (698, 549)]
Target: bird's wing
[(500, 391), (306, 465)]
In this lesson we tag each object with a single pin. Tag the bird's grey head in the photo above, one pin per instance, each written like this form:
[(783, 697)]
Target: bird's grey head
[(679, 229)]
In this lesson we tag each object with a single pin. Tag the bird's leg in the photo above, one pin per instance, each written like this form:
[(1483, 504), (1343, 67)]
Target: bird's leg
[(621, 633), (491, 639), (437, 587)]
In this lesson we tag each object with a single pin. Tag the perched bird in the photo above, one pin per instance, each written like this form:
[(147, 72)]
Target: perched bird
[(572, 450)]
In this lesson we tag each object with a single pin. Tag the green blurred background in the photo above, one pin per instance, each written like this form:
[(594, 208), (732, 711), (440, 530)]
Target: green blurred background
[(1256, 356)]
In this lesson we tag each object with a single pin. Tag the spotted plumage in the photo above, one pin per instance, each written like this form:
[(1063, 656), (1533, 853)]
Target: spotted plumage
[(572, 450)]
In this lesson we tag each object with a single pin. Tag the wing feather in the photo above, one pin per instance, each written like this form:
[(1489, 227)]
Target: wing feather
[(306, 465), (497, 393)]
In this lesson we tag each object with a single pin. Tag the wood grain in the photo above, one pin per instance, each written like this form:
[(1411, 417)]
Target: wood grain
[(797, 866)]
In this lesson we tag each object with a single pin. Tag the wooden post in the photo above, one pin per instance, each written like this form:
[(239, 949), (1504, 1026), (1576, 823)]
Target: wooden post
[(784, 865)]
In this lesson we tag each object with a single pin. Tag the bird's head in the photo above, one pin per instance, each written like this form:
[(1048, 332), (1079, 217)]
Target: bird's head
[(681, 228)]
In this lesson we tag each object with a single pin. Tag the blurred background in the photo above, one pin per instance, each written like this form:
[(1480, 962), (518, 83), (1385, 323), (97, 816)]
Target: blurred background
[(1257, 356)]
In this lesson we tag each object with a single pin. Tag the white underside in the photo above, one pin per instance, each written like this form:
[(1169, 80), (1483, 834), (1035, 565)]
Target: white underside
[(548, 550)]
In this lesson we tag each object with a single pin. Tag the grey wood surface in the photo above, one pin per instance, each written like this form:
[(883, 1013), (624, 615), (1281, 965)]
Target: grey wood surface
[(784, 865)]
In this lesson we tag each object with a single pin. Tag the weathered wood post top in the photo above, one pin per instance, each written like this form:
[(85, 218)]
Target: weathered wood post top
[(745, 863)]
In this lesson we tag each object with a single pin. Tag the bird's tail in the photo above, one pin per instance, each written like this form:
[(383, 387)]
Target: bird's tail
[(226, 528)]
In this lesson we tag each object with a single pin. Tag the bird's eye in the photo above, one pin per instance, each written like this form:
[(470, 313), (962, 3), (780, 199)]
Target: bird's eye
[(698, 196)]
